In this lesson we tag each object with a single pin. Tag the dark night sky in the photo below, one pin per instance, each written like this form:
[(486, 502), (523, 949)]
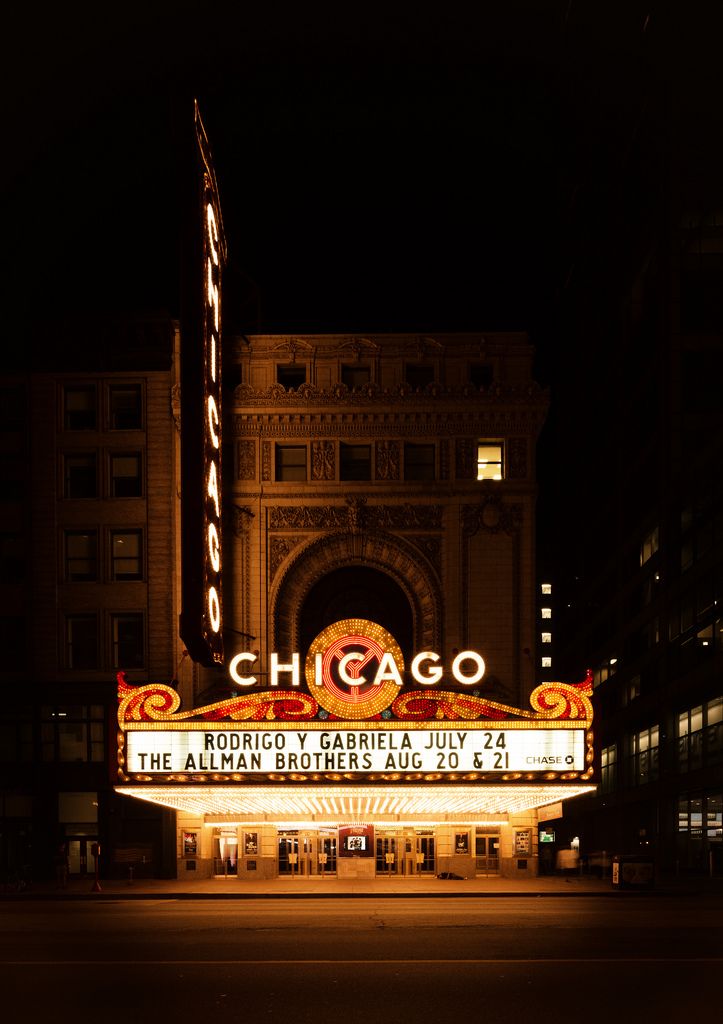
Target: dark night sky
[(380, 168)]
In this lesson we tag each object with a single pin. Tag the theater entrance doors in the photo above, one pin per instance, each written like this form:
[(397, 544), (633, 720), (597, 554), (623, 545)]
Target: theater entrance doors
[(306, 852)]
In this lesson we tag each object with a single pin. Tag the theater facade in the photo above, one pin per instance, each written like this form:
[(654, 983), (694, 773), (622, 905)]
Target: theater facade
[(379, 700)]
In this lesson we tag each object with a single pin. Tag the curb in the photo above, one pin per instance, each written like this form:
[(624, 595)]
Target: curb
[(115, 897)]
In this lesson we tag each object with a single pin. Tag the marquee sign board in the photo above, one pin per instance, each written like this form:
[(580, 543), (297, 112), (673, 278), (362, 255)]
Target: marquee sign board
[(489, 750), (201, 424), (359, 717)]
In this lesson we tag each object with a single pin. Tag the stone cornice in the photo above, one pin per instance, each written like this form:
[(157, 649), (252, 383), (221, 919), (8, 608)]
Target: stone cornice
[(474, 344), (403, 396), (493, 422)]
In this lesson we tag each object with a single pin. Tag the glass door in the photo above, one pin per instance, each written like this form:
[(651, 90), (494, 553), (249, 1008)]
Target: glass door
[(389, 850), (225, 852), (424, 855), (327, 853), (487, 853), (80, 856), (288, 853)]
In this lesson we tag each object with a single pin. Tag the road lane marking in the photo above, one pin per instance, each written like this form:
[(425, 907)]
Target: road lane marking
[(367, 962)]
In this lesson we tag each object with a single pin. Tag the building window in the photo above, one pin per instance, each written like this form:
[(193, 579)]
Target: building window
[(546, 613), (700, 735), (125, 407), (291, 376), (481, 375), (355, 376), (546, 661), (489, 461), (128, 648), (419, 461), (81, 639), (418, 375), (290, 462), (80, 479), (645, 755), (355, 462), (546, 638), (632, 690), (608, 768), (73, 733), (125, 475), (649, 546), (701, 819), (79, 407), (126, 555), (546, 588), (81, 556)]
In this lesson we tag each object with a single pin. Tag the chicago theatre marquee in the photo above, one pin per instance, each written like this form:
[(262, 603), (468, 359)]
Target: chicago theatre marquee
[(358, 578), (384, 711)]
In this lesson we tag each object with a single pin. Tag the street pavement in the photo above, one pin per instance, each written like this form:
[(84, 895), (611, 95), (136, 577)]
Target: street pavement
[(329, 886)]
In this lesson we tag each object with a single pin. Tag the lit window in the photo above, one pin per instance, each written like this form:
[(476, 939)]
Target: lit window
[(489, 461), (546, 638), (546, 588), (645, 755), (547, 662), (546, 613), (608, 767), (290, 462)]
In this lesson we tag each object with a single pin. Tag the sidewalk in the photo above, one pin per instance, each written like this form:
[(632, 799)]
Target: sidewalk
[(331, 887)]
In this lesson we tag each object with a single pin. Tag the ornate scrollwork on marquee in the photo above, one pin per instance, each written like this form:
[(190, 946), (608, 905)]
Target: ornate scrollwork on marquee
[(158, 703), (550, 701)]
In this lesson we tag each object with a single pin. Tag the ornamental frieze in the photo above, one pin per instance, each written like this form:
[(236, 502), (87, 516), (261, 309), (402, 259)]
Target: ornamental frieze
[(323, 464), (464, 458), (448, 424), (335, 517), (266, 460), (517, 458), (370, 393), (387, 460), (246, 460)]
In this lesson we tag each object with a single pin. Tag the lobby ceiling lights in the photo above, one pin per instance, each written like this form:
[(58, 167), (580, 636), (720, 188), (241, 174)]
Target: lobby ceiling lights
[(358, 803)]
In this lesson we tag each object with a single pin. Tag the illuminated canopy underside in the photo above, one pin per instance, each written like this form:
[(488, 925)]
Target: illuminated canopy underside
[(319, 804)]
